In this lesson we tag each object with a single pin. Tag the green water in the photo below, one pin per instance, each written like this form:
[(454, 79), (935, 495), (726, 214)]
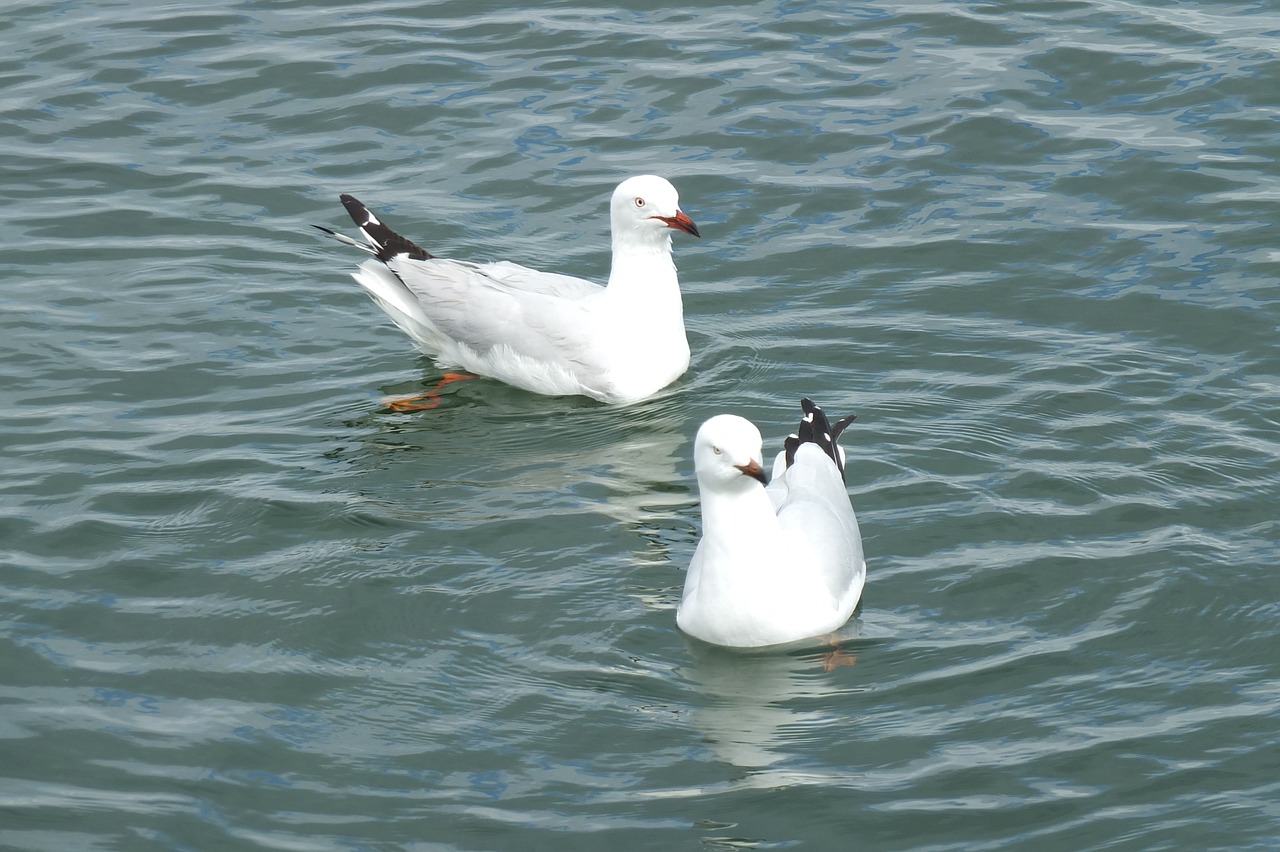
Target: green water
[(243, 606)]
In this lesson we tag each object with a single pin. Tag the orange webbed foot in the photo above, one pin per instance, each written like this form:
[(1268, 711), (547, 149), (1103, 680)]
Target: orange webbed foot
[(835, 658), (429, 400)]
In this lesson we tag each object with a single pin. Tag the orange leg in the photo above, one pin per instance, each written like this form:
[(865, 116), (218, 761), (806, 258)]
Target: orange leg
[(835, 658), (430, 399)]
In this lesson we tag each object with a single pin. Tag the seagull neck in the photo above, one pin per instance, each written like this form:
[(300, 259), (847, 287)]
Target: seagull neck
[(739, 518), (642, 263)]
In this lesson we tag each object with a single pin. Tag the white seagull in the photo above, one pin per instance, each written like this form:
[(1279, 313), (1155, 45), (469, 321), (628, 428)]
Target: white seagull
[(544, 332), (777, 563)]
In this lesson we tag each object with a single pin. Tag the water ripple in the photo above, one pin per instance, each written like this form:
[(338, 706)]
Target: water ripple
[(245, 604)]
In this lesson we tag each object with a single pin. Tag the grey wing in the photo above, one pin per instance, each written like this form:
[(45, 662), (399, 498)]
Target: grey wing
[(523, 279), (812, 503), (538, 316)]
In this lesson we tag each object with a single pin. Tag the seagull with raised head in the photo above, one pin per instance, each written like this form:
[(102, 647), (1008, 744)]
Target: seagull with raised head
[(776, 563), (541, 331)]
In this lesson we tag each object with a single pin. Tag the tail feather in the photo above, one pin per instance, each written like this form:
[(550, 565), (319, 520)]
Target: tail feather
[(343, 238)]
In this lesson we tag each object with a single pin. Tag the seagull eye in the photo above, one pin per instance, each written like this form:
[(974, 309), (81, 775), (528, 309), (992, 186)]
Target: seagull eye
[(639, 202), (715, 450)]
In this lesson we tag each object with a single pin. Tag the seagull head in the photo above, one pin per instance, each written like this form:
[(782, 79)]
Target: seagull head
[(726, 454), (647, 208)]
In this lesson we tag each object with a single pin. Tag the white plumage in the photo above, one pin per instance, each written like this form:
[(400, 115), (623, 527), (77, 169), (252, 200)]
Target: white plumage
[(774, 564), (545, 332)]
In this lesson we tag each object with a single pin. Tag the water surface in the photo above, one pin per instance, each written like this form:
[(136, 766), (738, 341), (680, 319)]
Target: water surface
[(244, 606)]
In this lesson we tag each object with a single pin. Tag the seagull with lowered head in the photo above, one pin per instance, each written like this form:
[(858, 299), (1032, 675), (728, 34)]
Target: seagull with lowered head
[(776, 563)]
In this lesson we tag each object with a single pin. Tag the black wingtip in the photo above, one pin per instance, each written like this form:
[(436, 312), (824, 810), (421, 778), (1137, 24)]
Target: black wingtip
[(357, 211), (840, 425), (385, 242), (816, 429)]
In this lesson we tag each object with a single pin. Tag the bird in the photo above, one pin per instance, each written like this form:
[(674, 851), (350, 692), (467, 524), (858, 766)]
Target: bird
[(778, 561), (544, 332)]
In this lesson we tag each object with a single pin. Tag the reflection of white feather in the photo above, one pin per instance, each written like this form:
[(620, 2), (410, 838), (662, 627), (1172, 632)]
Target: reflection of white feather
[(753, 705)]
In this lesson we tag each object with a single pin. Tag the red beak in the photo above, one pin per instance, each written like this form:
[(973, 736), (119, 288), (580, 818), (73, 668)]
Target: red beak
[(752, 469), (680, 222)]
